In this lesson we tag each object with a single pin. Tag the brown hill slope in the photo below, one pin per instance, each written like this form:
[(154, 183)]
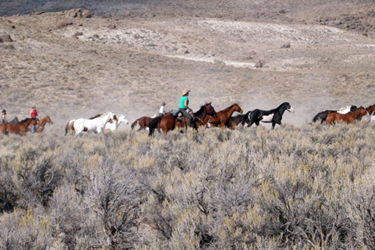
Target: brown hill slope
[(150, 58)]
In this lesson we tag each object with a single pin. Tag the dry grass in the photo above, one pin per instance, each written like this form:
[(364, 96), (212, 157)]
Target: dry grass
[(252, 188)]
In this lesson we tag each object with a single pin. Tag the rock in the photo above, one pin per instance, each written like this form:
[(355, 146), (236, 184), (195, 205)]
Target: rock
[(63, 24), (37, 13), (111, 26), (286, 46), (79, 13), (78, 34), (6, 38), (87, 14)]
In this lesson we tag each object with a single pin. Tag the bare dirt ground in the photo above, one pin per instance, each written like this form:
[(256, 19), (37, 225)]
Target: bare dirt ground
[(149, 58)]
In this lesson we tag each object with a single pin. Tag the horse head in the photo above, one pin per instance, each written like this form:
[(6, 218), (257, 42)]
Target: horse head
[(210, 110), (111, 117), (48, 119), (286, 106), (122, 119), (362, 112), (237, 108)]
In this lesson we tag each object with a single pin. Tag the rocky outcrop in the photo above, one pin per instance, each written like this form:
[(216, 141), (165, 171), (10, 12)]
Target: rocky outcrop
[(79, 13)]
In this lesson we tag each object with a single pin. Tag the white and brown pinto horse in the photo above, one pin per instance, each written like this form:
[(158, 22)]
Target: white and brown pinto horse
[(116, 122), (95, 124)]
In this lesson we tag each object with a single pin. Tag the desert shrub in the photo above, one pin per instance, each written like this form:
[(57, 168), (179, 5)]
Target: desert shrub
[(251, 188)]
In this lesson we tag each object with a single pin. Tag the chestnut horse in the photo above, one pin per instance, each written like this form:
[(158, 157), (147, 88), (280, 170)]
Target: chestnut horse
[(348, 118), (223, 116), (322, 116), (371, 109), (42, 123), (18, 128), (143, 122), (168, 121)]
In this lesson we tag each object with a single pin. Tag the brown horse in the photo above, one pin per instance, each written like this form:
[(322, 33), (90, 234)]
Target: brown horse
[(233, 121), (143, 122), (18, 128), (371, 109), (223, 116), (348, 118), (169, 122), (42, 123)]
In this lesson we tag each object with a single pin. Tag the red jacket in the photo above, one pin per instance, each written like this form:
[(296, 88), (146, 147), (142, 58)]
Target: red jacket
[(34, 113)]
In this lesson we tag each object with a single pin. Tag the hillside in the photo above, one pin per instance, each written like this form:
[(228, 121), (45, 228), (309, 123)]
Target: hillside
[(156, 51)]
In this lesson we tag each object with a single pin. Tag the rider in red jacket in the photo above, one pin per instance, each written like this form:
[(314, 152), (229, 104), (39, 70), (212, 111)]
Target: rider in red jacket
[(33, 114)]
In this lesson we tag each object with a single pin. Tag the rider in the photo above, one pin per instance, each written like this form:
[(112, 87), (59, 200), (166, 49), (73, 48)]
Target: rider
[(3, 116), (184, 107), (33, 114), (162, 109)]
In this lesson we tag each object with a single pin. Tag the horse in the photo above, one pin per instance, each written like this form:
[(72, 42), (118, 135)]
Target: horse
[(370, 109), (42, 123), (116, 122), (223, 116), (323, 114), (348, 118), (18, 128), (273, 116), (169, 121), (95, 124), (233, 121), (143, 122)]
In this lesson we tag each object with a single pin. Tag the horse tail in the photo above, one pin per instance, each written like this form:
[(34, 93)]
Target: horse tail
[(69, 126), (316, 117), (153, 125), (134, 123), (246, 116)]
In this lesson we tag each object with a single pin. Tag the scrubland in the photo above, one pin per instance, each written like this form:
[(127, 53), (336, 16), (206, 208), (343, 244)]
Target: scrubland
[(309, 187), (300, 186)]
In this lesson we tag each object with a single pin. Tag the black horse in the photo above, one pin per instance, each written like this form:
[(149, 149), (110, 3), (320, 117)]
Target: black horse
[(322, 116), (273, 116)]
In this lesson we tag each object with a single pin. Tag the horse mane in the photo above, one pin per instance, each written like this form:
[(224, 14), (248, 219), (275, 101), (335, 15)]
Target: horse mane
[(227, 109), (26, 119), (200, 111), (370, 106), (100, 115)]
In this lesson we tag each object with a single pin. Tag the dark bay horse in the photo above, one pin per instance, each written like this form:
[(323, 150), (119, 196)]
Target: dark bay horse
[(322, 116), (223, 116), (18, 128), (348, 118), (273, 116), (233, 121), (169, 122), (142, 122)]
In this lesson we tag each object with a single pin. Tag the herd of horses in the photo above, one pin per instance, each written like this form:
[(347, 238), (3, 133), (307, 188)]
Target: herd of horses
[(22, 127), (206, 116)]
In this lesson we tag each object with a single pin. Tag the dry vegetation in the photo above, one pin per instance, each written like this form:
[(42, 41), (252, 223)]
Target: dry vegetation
[(300, 186), (297, 188)]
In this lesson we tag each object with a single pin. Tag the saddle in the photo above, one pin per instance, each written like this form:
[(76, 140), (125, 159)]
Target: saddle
[(176, 113)]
